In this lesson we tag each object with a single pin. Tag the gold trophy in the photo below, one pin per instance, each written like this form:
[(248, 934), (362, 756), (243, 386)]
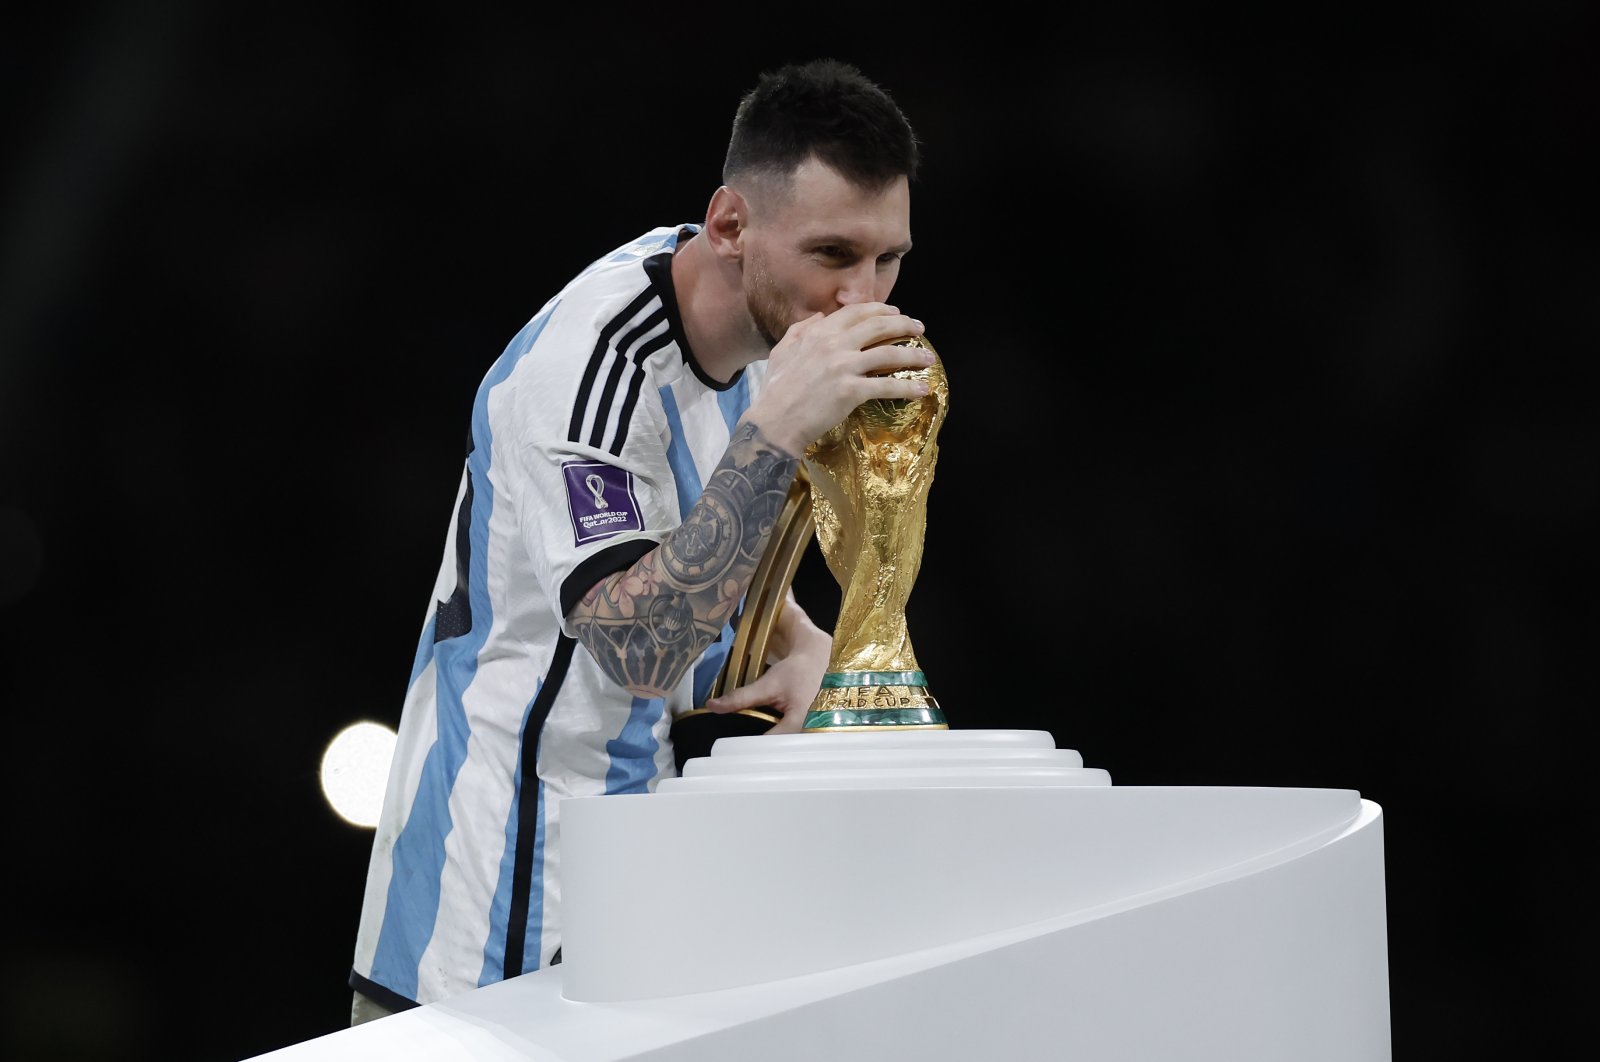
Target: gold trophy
[(869, 489), (864, 488)]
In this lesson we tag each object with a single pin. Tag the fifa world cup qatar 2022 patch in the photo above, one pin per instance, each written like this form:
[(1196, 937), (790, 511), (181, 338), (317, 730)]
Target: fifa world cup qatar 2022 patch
[(600, 499)]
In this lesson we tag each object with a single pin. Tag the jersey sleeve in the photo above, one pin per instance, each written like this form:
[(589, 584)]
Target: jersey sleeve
[(584, 512)]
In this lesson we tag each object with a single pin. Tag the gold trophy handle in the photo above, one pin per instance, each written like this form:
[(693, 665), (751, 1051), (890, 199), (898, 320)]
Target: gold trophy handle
[(769, 587)]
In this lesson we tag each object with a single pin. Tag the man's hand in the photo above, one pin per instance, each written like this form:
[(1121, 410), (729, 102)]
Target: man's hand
[(799, 659), (827, 365)]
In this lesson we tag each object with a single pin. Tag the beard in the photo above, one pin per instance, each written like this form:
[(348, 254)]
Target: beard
[(769, 310)]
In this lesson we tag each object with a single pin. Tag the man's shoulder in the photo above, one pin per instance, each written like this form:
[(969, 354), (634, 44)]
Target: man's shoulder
[(611, 282), (624, 259), (611, 291)]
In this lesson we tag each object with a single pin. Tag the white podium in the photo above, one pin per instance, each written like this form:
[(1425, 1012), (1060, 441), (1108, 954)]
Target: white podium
[(937, 895)]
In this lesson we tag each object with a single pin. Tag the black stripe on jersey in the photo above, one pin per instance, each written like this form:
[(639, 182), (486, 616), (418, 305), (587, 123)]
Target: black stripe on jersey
[(596, 566), (598, 357), (380, 995), (635, 385), (609, 393), (528, 811), (453, 618)]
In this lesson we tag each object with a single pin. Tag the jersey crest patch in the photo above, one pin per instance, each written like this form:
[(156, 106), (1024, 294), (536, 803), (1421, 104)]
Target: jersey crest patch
[(600, 499)]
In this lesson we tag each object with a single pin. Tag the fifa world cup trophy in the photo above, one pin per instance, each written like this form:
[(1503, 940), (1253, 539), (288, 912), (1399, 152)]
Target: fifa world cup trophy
[(869, 481)]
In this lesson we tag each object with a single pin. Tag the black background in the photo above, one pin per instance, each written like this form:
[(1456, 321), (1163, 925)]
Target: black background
[(1269, 462)]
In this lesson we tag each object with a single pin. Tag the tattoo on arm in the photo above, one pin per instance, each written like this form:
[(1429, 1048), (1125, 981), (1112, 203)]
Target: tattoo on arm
[(647, 625)]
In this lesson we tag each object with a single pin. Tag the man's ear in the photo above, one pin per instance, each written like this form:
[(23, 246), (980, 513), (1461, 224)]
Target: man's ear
[(726, 219)]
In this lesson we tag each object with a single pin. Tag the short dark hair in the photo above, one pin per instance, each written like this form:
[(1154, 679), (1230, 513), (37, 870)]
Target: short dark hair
[(825, 108)]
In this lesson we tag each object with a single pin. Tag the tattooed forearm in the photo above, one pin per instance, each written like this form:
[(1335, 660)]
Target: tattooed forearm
[(647, 625)]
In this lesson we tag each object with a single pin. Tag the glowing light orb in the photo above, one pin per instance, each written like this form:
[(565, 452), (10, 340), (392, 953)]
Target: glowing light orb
[(355, 770)]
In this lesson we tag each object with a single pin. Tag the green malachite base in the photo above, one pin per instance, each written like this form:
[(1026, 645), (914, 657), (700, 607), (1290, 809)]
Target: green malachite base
[(874, 700), (838, 680), (924, 718)]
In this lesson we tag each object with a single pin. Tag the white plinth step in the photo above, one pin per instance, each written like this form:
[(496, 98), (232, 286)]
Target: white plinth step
[(890, 759)]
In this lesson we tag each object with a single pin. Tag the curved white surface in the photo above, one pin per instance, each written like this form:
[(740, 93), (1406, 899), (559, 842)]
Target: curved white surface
[(769, 885), (941, 922), (881, 858)]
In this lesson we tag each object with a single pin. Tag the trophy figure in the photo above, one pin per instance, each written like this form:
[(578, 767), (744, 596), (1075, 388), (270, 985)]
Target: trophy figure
[(863, 489), (869, 489)]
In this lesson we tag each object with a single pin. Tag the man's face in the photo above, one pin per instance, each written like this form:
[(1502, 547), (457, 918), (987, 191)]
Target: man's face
[(823, 245)]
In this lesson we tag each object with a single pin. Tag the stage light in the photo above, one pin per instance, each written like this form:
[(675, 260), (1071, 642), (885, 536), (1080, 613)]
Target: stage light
[(355, 770)]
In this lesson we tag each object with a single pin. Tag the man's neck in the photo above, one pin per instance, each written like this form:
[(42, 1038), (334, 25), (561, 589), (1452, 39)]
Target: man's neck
[(711, 304)]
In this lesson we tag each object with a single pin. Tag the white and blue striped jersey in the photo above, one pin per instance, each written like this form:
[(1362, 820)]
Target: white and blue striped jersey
[(592, 435)]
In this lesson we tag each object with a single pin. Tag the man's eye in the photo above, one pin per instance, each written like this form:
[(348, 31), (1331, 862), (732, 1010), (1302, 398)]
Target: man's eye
[(888, 258)]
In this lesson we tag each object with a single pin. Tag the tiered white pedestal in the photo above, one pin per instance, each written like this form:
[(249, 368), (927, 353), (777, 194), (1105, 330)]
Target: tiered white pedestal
[(937, 895)]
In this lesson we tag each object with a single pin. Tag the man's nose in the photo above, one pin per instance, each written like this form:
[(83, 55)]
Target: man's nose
[(858, 285)]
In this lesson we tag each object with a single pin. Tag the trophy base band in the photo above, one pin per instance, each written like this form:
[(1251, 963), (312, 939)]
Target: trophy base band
[(873, 700), (891, 719)]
